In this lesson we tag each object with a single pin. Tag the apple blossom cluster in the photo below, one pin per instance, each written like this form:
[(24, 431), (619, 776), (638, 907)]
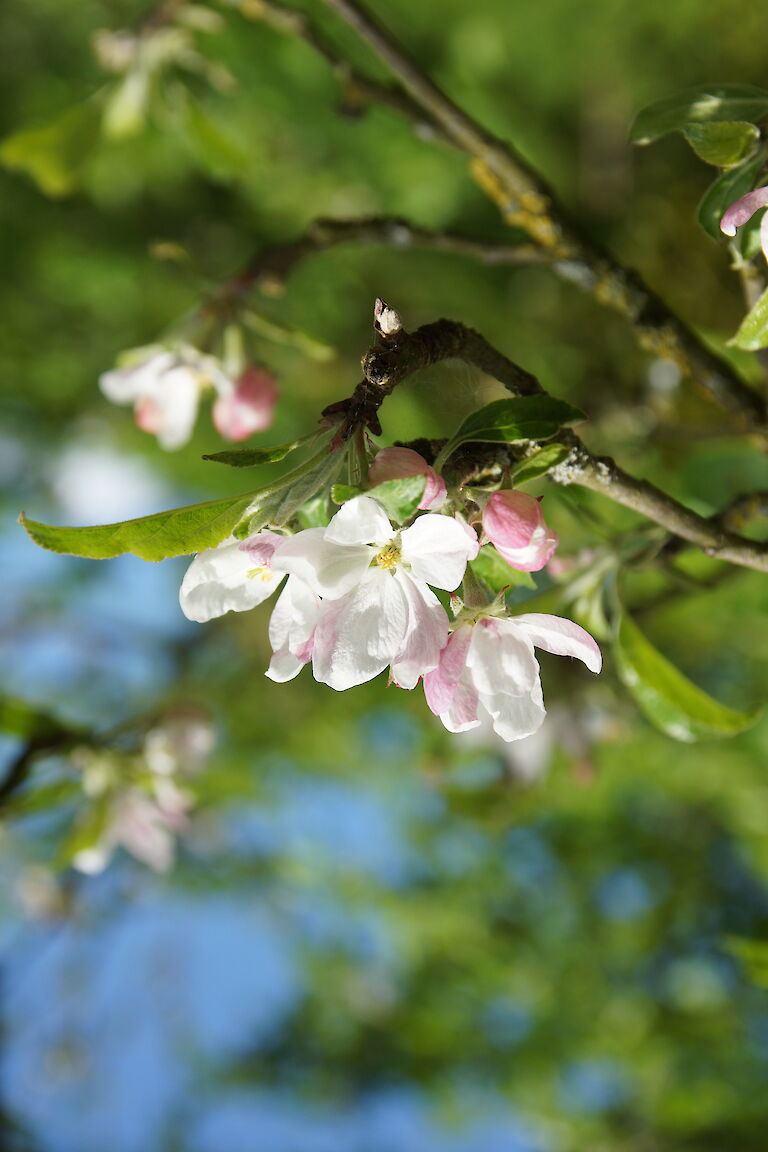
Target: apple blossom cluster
[(165, 386), (360, 598)]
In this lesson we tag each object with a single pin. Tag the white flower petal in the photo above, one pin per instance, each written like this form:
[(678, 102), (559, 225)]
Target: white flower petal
[(284, 666), (293, 620), (441, 684), (360, 521), (427, 633), (560, 636), (220, 580), (330, 570), (437, 549), (515, 717), (359, 635), (176, 395), (462, 714), (501, 659)]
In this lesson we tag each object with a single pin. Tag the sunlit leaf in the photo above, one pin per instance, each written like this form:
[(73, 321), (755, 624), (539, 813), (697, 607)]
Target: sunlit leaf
[(508, 421), (666, 697), (726, 102), (753, 955), (399, 498), (753, 331), (723, 144), (494, 571)]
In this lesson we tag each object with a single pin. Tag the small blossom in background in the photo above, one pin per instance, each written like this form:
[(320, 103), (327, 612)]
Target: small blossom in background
[(181, 743), (145, 826), (165, 387), (489, 664), (742, 210), (398, 464), (378, 608), (515, 525)]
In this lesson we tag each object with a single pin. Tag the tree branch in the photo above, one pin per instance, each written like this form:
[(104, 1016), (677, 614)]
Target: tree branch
[(525, 201), (398, 356)]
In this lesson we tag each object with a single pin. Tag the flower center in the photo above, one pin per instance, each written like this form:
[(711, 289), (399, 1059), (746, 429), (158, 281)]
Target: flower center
[(389, 557), (262, 573)]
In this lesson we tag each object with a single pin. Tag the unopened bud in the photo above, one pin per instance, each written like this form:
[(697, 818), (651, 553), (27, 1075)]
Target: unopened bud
[(385, 320)]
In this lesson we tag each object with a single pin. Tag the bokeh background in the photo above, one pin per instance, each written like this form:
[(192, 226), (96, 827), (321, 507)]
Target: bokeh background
[(376, 938)]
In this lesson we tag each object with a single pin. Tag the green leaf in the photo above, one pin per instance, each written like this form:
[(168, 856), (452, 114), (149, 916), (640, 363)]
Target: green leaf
[(210, 142), (727, 188), (18, 718), (400, 498), (280, 503), (253, 457), (666, 697), (315, 513), (753, 330), (539, 463), (173, 533), (723, 144), (341, 493), (508, 421), (55, 154), (727, 102), (753, 955), (496, 574)]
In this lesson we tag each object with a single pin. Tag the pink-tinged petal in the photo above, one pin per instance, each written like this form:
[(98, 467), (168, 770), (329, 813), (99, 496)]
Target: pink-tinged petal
[(127, 384), (398, 463), (360, 521), (359, 635), (427, 633), (560, 636), (501, 659), (142, 830), (293, 620), (514, 523), (177, 395), (261, 548), (440, 685), (462, 714), (437, 549), (148, 415), (249, 408), (329, 569), (743, 210), (764, 234), (223, 580), (515, 717)]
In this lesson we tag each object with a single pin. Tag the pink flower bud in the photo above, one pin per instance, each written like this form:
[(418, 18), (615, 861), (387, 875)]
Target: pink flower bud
[(250, 408), (743, 210), (515, 525), (398, 463)]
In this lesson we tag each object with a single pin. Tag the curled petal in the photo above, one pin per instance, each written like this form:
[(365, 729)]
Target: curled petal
[(329, 569), (440, 685), (398, 463), (501, 659), (426, 636), (437, 549), (560, 636), (514, 523), (249, 408), (224, 579), (743, 210), (360, 521), (360, 634)]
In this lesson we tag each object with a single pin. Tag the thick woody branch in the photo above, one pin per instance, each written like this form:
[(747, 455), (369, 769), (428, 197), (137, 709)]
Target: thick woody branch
[(403, 353), (526, 201)]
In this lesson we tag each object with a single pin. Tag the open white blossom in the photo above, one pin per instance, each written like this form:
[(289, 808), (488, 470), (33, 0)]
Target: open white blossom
[(378, 608)]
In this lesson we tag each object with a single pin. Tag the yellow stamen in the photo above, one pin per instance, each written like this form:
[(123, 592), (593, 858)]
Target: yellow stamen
[(262, 573), (389, 557)]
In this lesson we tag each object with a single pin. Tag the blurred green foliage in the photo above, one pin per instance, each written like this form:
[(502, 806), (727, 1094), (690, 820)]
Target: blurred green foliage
[(600, 904)]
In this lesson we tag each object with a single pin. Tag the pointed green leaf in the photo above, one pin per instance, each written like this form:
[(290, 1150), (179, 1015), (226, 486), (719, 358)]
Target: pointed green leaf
[(253, 457), (280, 502), (400, 498), (173, 533), (666, 697), (753, 331), (723, 144), (699, 106), (512, 420), (727, 188), (539, 463)]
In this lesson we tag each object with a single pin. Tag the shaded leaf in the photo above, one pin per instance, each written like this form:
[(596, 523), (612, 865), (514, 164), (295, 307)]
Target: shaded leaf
[(399, 498), (725, 190), (668, 698), (253, 457), (539, 463), (723, 144), (280, 502), (496, 574), (725, 102), (507, 421)]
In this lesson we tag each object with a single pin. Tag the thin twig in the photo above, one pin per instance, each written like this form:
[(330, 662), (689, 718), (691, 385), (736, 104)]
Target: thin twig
[(391, 361), (527, 202)]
